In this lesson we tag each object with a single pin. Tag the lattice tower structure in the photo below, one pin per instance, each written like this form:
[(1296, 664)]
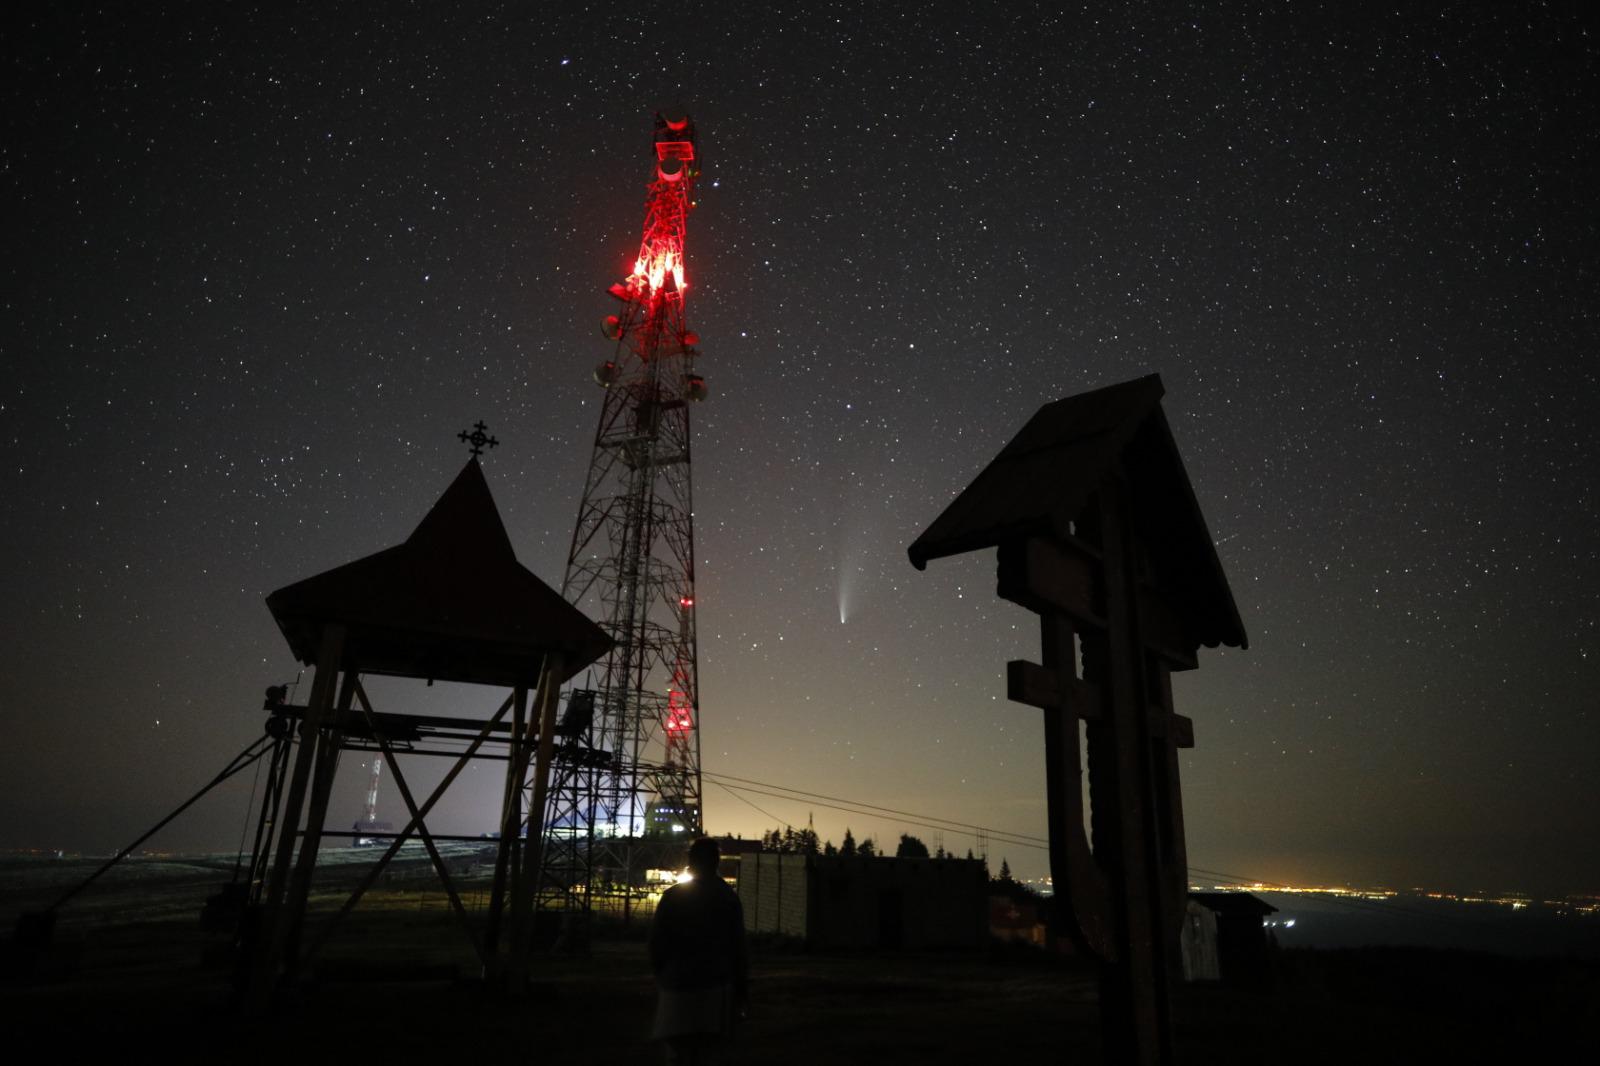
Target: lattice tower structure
[(626, 780), (369, 813)]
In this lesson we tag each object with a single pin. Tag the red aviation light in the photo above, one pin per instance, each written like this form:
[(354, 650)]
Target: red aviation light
[(657, 259), (679, 720), (686, 601)]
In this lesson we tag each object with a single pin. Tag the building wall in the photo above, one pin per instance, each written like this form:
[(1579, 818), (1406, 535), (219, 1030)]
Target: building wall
[(1243, 956), (1198, 942), (773, 889), (837, 902)]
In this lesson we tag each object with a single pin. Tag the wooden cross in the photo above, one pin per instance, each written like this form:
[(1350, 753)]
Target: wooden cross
[(1120, 889), (477, 438)]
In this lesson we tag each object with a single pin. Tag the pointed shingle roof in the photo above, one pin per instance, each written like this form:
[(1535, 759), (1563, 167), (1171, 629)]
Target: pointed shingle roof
[(1042, 480), (451, 603)]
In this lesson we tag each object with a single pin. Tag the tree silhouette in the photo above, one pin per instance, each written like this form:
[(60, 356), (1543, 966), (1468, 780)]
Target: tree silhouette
[(848, 848), (867, 848), (792, 841), (1005, 870), (910, 848), (805, 841), (807, 837)]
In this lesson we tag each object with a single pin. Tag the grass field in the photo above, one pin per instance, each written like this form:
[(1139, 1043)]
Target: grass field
[(399, 981)]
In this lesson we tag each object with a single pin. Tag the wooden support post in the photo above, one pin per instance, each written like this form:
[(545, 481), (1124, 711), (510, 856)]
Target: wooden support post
[(269, 940), (1177, 732), (533, 850), (1121, 889), (507, 855), (327, 764), (1135, 1011)]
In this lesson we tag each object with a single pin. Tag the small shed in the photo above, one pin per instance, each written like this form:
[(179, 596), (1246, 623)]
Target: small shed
[(1198, 943), (1243, 949)]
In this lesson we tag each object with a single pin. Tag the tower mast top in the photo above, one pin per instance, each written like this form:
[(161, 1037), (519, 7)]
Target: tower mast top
[(658, 273)]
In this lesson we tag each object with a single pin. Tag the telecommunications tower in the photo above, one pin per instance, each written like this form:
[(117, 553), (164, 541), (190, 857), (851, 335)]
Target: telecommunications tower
[(626, 779)]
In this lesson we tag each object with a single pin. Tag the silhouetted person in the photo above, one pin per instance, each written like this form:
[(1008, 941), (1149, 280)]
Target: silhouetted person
[(698, 954)]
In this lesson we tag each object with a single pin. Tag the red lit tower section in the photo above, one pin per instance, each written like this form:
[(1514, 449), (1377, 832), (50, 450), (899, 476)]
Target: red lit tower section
[(636, 785)]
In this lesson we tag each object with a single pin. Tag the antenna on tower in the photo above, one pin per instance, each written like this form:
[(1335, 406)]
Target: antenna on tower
[(369, 823)]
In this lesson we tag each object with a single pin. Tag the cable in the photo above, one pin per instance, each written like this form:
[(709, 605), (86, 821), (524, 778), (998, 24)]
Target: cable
[(873, 810), (741, 799), (930, 821), (907, 819), (244, 830)]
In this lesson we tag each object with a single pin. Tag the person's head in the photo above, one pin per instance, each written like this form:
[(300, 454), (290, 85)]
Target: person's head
[(704, 857)]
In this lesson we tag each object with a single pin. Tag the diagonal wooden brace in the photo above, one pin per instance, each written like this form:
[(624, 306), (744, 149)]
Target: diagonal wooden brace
[(394, 845), (422, 826)]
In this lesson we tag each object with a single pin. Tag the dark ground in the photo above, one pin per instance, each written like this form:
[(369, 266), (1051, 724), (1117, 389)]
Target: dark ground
[(125, 973)]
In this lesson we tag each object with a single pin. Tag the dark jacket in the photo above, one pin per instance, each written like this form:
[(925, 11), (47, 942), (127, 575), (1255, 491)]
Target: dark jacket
[(697, 938)]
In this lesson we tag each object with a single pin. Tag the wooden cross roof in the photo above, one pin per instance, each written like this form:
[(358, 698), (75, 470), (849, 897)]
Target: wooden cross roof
[(451, 603), (1042, 481)]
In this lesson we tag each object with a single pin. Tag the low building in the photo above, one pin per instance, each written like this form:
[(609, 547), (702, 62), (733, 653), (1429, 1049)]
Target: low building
[(1242, 949), (1017, 921), (836, 901), (1198, 943), (1017, 914)]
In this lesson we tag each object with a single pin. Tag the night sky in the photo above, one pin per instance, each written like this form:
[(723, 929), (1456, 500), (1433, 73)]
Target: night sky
[(262, 267)]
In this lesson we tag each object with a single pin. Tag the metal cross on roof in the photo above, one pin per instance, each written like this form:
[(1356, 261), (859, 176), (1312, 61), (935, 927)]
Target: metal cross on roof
[(477, 438)]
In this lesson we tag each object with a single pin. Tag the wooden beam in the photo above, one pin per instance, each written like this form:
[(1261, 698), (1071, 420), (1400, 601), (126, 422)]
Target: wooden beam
[(1134, 992), (1166, 725), (327, 764), (268, 947), (506, 856), (527, 883), (1039, 686)]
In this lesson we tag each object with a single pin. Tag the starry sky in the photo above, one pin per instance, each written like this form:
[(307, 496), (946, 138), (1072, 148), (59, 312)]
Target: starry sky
[(264, 262)]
